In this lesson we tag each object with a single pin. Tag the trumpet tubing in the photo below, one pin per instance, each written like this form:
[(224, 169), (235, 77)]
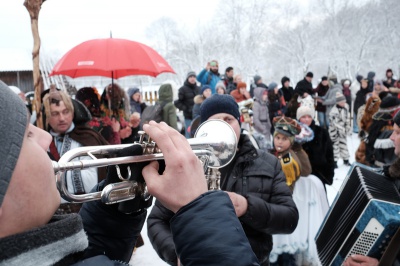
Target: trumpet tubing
[(214, 144)]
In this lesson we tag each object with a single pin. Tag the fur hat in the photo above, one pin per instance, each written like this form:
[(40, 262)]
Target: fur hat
[(286, 126), (304, 110), (190, 74), (219, 103), (14, 120), (340, 97)]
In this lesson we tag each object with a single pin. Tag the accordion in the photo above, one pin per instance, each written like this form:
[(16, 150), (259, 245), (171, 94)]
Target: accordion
[(363, 218)]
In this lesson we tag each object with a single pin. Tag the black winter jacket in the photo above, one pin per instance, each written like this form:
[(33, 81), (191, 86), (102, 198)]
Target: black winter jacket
[(320, 153), (360, 100), (185, 101), (256, 175)]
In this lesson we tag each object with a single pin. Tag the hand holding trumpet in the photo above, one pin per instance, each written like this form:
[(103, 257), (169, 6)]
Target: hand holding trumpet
[(183, 179)]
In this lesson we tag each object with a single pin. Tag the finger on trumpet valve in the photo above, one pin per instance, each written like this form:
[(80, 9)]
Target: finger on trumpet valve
[(141, 136)]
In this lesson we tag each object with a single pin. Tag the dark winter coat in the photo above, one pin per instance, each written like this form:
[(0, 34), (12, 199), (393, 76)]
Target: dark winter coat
[(287, 92), (303, 86), (320, 153), (321, 90), (186, 96), (257, 176), (360, 100)]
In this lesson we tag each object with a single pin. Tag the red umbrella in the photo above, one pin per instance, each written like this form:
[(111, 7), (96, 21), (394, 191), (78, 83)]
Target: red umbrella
[(114, 58)]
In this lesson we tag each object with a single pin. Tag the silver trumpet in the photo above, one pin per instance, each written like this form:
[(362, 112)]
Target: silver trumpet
[(214, 144)]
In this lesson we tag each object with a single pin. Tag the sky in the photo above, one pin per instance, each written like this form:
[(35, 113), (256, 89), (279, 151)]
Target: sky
[(64, 24)]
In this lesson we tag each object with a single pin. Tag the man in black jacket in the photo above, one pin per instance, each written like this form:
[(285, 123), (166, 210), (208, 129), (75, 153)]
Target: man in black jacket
[(104, 234), (253, 180), (305, 85), (185, 101)]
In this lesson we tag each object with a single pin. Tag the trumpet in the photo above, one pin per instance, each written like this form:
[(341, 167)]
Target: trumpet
[(214, 144)]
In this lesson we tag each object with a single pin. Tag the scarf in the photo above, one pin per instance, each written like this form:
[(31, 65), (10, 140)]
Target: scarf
[(58, 242)]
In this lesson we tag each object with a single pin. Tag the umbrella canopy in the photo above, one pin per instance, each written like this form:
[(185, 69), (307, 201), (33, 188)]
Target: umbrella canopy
[(114, 58)]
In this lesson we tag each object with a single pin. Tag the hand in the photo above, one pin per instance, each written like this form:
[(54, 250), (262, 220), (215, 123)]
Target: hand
[(208, 66), (239, 203), (183, 179), (115, 125), (125, 132), (357, 260), (320, 100), (139, 203), (134, 120)]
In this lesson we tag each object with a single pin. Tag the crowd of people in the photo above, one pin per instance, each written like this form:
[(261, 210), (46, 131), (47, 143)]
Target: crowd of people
[(275, 194)]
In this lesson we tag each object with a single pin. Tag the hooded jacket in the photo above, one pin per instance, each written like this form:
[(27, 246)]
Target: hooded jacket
[(260, 114), (169, 110), (256, 175), (287, 91)]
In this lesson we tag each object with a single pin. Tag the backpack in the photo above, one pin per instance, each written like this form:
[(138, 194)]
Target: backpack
[(152, 112)]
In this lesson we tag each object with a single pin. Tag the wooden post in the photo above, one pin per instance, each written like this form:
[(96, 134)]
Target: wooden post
[(33, 7)]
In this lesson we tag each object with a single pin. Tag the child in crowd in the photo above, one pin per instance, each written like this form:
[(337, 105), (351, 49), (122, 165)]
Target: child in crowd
[(285, 131), (199, 99), (339, 128), (297, 248)]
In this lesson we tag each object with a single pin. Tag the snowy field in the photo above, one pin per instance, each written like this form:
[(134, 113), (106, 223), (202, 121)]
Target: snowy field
[(146, 256)]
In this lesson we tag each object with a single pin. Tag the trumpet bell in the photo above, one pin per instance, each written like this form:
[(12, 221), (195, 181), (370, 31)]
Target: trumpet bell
[(219, 138)]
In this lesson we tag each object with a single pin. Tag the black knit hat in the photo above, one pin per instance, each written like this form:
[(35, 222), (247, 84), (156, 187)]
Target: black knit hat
[(14, 120), (310, 75), (324, 78), (219, 103)]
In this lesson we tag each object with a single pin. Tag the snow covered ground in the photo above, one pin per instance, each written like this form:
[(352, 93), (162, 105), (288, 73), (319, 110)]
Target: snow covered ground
[(146, 256)]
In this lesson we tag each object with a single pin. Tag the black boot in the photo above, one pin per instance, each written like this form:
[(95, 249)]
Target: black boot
[(346, 162), (335, 164)]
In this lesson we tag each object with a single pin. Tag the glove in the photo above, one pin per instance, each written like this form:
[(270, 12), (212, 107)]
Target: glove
[(138, 203)]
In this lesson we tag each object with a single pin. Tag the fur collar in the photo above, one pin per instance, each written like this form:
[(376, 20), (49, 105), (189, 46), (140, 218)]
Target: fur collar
[(46, 245)]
